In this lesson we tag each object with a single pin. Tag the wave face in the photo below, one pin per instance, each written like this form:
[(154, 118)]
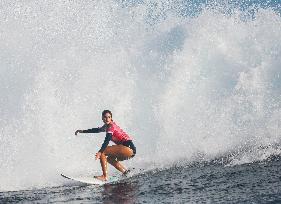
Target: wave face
[(187, 81)]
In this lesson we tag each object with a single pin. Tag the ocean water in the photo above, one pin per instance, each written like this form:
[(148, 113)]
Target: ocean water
[(188, 183), (196, 83)]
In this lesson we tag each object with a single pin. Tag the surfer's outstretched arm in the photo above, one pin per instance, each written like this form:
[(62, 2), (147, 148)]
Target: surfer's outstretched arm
[(92, 130)]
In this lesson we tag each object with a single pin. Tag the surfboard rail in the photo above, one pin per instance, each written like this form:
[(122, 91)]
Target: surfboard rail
[(90, 179)]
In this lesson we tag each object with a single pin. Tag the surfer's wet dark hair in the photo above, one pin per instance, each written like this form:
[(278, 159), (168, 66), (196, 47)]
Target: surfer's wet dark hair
[(105, 112)]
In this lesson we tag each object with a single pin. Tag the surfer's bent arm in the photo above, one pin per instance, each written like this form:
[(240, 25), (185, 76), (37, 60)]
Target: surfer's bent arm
[(105, 142)]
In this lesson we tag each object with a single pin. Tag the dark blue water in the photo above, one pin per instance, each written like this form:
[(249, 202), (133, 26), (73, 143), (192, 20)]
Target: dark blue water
[(191, 183)]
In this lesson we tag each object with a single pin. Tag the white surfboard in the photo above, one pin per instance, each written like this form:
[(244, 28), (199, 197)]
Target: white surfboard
[(90, 179)]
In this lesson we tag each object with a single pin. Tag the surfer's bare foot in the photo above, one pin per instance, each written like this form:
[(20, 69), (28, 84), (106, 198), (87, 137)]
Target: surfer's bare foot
[(102, 178)]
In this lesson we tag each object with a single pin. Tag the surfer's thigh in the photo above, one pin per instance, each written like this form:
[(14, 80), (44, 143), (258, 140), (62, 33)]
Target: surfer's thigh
[(120, 152)]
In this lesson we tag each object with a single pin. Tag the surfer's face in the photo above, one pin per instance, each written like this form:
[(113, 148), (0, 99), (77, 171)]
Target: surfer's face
[(106, 118)]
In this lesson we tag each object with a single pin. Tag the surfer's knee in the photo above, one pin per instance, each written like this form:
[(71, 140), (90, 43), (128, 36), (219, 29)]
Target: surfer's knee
[(109, 150)]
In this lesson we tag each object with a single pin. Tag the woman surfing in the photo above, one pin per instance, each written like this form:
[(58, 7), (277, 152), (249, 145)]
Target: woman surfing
[(123, 150)]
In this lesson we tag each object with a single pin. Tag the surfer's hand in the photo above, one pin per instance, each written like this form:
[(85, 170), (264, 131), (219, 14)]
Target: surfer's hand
[(98, 154), (78, 131)]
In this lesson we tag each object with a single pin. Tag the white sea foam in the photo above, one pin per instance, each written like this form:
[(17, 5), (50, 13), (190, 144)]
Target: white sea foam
[(182, 86)]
